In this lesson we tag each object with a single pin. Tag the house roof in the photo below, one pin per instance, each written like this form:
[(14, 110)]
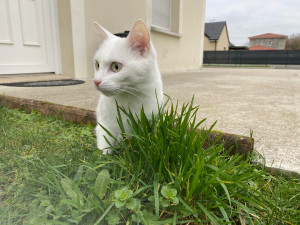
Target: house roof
[(214, 30), (260, 47), (268, 35)]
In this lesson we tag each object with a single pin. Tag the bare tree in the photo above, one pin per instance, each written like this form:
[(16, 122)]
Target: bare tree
[(293, 42)]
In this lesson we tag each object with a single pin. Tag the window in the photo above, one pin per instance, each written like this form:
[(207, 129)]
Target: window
[(270, 43), (161, 14), (167, 16)]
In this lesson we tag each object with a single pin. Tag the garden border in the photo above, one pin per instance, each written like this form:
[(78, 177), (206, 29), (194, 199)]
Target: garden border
[(235, 143)]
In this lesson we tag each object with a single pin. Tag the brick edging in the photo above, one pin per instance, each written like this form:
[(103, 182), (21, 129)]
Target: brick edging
[(234, 143), (68, 113)]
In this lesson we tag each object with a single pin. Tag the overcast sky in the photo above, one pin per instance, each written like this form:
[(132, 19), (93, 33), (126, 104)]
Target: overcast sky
[(247, 18)]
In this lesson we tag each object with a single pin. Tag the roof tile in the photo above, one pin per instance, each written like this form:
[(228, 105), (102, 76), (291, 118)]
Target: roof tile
[(268, 35), (213, 30)]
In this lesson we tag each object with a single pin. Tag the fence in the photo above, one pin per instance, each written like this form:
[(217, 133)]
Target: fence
[(274, 57)]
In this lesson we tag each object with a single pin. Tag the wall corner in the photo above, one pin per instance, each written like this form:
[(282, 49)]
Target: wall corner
[(79, 38)]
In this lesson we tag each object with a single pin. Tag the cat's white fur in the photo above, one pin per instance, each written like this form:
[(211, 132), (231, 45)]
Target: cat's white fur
[(137, 84)]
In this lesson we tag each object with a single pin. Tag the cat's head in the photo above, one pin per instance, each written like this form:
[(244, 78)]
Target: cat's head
[(122, 65)]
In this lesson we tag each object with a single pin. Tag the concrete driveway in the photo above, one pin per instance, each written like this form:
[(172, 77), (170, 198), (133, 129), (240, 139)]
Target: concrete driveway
[(266, 101)]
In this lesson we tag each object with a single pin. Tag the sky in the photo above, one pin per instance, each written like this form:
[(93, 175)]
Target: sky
[(246, 18)]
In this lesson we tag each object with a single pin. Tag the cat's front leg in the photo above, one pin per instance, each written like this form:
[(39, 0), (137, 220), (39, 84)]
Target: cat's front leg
[(101, 141)]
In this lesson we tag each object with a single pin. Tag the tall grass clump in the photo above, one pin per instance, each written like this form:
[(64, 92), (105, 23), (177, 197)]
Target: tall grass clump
[(212, 186)]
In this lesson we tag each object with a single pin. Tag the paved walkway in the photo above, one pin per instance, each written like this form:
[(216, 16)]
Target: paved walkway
[(266, 101)]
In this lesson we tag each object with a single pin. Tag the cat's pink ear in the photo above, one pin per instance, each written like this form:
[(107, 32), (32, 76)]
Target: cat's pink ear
[(102, 33), (139, 38)]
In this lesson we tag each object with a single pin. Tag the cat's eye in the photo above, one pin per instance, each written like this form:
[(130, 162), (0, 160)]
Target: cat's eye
[(97, 65), (116, 67)]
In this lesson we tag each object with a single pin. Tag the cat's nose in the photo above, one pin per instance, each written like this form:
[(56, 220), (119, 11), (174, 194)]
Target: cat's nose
[(97, 82)]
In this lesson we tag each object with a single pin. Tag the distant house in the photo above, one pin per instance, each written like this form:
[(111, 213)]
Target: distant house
[(267, 41), (216, 37)]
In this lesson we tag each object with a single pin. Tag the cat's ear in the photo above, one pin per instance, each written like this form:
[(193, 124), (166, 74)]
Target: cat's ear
[(102, 33), (139, 38)]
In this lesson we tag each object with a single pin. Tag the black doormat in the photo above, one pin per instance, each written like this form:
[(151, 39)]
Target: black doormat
[(48, 83)]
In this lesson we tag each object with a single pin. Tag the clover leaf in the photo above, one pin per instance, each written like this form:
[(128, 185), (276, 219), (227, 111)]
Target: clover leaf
[(123, 194), (170, 194), (124, 198)]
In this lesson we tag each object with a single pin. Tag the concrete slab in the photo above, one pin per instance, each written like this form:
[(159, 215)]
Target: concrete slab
[(29, 77), (266, 101)]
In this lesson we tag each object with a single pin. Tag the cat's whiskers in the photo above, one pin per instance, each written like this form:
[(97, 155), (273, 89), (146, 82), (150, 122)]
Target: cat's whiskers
[(119, 89), (122, 90), (135, 89)]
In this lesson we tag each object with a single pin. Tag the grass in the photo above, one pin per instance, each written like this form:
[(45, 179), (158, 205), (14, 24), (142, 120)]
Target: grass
[(52, 173)]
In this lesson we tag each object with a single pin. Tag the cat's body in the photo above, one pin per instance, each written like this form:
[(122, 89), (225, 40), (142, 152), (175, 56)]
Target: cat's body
[(126, 71)]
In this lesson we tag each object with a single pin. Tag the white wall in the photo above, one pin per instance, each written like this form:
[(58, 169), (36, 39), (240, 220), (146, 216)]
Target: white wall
[(79, 41)]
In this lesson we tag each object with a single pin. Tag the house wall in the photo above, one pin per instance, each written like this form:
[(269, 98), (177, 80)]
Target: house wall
[(209, 45), (65, 37), (223, 42), (277, 43), (185, 52), (114, 15), (79, 41)]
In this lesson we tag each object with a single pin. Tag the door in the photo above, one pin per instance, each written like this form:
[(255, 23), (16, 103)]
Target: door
[(26, 37)]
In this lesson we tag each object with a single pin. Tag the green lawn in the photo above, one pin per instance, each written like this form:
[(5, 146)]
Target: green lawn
[(52, 173)]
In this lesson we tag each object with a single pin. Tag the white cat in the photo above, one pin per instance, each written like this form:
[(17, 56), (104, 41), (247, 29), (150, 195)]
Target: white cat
[(126, 71)]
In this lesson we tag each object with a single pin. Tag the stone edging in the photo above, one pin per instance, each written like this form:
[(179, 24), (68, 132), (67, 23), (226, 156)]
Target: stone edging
[(234, 143)]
